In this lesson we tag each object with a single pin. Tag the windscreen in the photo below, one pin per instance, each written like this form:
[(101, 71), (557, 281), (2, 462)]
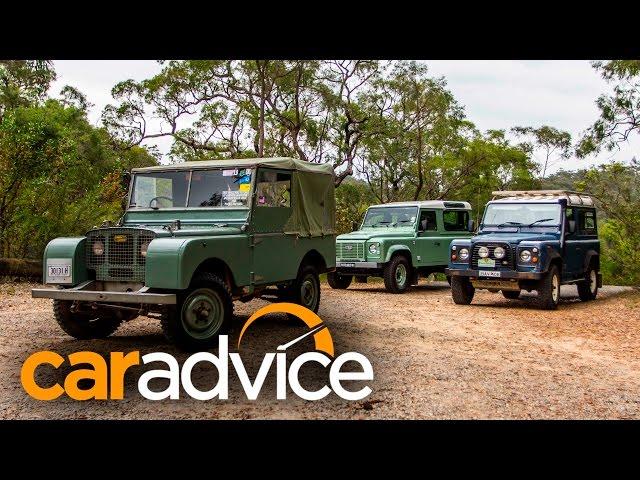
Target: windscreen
[(390, 217), (522, 214), (160, 190), (220, 188), (197, 188)]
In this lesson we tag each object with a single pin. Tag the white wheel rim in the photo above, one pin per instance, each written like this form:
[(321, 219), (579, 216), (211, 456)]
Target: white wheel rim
[(555, 288), (593, 283)]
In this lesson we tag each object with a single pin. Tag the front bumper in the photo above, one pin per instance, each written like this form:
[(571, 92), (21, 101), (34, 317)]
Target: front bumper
[(363, 265), (84, 293), (359, 268), (509, 274)]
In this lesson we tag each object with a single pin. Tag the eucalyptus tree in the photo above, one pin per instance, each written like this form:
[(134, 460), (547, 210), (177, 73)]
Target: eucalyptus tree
[(619, 110)]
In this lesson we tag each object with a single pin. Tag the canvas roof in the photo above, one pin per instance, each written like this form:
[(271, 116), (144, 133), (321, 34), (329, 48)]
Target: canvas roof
[(285, 163)]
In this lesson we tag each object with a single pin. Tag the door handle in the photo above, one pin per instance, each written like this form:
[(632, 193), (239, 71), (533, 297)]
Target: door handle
[(437, 244)]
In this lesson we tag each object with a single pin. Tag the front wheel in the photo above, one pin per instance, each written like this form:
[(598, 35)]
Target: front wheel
[(305, 290), (397, 274), (462, 291), (549, 290), (338, 281), (588, 288), (86, 325), (201, 315)]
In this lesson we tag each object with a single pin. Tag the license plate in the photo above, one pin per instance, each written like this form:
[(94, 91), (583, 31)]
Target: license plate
[(486, 262), (483, 273), (59, 270), (346, 264)]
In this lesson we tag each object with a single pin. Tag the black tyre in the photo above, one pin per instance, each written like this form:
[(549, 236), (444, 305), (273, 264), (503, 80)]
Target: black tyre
[(201, 315), (84, 326), (339, 282), (461, 290), (588, 289), (305, 290), (549, 289), (511, 294), (397, 274)]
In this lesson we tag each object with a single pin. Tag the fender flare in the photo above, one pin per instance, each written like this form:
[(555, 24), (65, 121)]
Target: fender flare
[(587, 259), (397, 248)]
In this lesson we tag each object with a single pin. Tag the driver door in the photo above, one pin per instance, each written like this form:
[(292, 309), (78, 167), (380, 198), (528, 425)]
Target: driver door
[(272, 249), (428, 241)]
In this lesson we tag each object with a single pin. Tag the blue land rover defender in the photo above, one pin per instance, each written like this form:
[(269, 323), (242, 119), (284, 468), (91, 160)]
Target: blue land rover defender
[(530, 240)]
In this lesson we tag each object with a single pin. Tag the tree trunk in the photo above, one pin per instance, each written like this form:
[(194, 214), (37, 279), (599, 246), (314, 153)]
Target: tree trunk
[(14, 267)]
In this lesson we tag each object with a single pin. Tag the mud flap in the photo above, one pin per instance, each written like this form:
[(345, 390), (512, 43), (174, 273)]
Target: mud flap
[(599, 280)]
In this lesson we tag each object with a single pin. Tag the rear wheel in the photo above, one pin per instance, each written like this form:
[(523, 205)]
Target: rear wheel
[(84, 326), (511, 294), (201, 315), (461, 290), (588, 289), (397, 274), (338, 281), (305, 290), (549, 289)]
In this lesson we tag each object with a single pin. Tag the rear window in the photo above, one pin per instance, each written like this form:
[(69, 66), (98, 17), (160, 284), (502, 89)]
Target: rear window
[(455, 220)]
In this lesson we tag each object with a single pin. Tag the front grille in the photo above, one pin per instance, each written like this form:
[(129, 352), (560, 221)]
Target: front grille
[(500, 265), (121, 260), (350, 251), (120, 249)]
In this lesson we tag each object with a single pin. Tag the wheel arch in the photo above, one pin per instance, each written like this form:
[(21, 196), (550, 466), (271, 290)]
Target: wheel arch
[(592, 256), (396, 250), (315, 258), (216, 266)]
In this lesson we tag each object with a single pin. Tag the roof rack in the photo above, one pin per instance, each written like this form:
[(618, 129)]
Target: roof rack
[(573, 198)]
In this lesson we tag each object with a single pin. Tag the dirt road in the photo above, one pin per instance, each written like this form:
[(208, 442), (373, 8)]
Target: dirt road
[(432, 359)]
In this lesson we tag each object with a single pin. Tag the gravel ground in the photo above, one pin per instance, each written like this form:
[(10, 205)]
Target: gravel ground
[(432, 359)]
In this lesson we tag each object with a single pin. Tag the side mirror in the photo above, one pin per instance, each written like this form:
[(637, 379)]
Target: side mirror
[(354, 225), (572, 226), (471, 226)]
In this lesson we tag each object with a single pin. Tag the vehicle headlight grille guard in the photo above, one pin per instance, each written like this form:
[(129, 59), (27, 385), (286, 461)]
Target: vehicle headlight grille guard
[(121, 260)]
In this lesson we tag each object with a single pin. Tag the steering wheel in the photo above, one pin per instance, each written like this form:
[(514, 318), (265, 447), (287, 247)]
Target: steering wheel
[(159, 197)]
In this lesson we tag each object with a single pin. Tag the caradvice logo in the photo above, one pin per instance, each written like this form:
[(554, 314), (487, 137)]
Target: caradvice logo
[(111, 386)]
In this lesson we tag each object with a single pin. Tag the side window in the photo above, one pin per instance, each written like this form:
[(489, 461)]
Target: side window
[(427, 221), (588, 223), (273, 188), (455, 220)]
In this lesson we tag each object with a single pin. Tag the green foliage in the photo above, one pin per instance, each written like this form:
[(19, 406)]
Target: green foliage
[(553, 144), (59, 175), (619, 112), (352, 200)]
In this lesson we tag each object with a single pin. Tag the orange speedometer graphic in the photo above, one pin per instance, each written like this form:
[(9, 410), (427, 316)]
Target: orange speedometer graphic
[(320, 332)]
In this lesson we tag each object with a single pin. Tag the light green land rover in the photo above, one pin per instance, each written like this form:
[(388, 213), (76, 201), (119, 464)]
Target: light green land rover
[(400, 242), (195, 237)]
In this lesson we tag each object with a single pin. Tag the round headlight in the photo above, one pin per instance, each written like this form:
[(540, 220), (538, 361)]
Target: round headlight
[(463, 254), (373, 248), (525, 256), (143, 249), (98, 248), (499, 252), (483, 252)]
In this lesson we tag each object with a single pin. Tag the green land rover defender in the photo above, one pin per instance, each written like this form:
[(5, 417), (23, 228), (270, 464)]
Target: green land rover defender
[(400, 242), (195, 237)]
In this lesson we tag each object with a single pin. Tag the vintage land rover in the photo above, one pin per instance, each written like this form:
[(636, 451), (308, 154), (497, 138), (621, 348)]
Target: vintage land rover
[(399, 242), (195, 237), (530, 240)]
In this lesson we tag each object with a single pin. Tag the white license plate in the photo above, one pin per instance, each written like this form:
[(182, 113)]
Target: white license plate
[(347, 265), (59, 270), (486, 263), (485, 273)]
